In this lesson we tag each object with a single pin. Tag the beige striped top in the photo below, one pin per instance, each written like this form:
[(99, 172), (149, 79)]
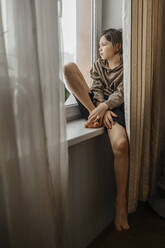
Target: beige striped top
[(107, 84)]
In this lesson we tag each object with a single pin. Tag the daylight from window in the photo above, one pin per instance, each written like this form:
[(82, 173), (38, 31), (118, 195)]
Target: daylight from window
[(69, 38), (76, 35), (69, 30)]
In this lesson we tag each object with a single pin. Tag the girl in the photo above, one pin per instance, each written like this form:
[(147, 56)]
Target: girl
[(103, 105)]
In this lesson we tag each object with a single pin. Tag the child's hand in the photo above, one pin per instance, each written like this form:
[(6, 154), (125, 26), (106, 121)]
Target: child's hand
[(107, 120), (98, 113)]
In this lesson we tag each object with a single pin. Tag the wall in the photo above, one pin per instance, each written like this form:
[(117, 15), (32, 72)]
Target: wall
[(92, 189), (112, 14)]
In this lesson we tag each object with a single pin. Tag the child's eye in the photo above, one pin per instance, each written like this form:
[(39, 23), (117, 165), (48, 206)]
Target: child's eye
[(102, 45)]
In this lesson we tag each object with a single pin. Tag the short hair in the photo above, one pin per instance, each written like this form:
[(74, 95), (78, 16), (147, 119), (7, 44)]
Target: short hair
[(115, 36)]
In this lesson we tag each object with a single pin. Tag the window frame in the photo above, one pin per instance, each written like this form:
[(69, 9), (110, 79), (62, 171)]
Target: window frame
[(72, 110)]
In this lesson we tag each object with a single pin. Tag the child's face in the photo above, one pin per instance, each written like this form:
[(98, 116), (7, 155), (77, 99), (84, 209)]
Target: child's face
[(106, 49)]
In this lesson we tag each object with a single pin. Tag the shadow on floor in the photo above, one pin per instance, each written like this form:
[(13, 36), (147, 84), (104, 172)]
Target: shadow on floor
[(147, 230)]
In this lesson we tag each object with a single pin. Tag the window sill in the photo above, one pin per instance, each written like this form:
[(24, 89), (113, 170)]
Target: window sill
[(72, 112), (76, 132)]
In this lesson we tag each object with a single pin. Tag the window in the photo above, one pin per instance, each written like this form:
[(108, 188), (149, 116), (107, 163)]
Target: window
[(80, 31), (69, 38)]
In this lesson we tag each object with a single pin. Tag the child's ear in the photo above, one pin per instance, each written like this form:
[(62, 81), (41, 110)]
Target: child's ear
[(118, 47)]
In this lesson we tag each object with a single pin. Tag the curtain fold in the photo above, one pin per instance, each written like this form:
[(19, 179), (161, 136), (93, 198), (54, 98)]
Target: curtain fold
[(157, 195), (126, 25), (145, 99), (33, 147)]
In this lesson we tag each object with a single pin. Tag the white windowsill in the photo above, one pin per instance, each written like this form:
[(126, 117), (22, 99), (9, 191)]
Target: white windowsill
[(76, 132)]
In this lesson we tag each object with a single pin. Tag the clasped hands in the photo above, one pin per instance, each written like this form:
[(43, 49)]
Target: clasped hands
[(102, 115)]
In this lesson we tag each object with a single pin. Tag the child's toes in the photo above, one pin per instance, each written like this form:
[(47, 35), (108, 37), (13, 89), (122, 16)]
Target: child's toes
[(96, 124), (89, 124)]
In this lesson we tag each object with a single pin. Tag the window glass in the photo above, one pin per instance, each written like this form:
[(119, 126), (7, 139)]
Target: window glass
[(69, 30), (69, 38), (76, 38)]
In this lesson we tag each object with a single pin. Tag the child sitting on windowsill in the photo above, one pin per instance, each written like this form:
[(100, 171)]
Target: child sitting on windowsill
[(103, 105)]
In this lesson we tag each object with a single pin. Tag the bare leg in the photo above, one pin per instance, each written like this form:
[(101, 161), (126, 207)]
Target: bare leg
[(119, 142), (78, 85), (79, 88)]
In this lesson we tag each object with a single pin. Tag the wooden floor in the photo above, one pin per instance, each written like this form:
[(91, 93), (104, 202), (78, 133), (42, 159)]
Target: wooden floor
[(147, 230)]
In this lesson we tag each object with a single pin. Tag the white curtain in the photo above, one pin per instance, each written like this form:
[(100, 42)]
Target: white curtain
[(33, 147)]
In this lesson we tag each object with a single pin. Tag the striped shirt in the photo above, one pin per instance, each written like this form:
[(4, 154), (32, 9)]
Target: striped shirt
[(107, 84)]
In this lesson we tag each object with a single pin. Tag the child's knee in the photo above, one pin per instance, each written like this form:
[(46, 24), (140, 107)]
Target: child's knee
[(68, 68), (120, 146)]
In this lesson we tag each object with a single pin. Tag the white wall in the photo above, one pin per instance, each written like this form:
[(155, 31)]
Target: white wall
[(112, 14), (92, 189)]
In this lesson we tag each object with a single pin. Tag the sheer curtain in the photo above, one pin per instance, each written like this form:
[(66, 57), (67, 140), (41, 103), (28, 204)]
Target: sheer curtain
[(33, 147), (144, 81)]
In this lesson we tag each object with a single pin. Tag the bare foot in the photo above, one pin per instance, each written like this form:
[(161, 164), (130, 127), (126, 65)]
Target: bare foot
[(121, 219), (90, 124)]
